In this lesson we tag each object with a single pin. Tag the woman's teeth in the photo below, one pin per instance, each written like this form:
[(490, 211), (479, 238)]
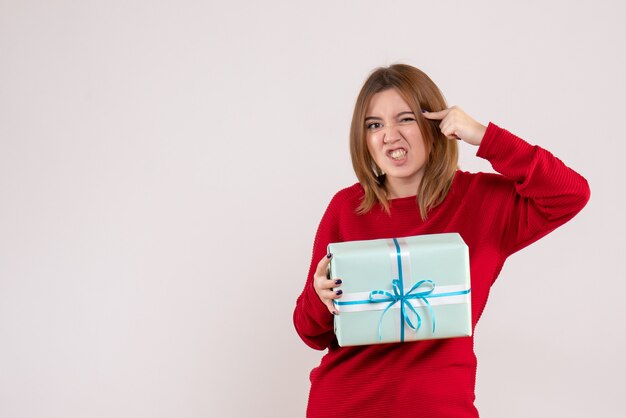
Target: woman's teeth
[(397, 154)]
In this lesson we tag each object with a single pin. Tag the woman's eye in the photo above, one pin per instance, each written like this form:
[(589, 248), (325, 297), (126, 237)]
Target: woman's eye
[(408, 120), (373, 125)]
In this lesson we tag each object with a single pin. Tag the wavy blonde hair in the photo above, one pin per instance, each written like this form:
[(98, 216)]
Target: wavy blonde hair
[(419, 92)]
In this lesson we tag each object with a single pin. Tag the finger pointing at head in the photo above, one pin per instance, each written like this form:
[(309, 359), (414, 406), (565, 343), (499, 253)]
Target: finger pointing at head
[(436, 115)]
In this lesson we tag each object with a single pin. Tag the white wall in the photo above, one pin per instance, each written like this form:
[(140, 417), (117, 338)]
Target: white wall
[(164, 165)]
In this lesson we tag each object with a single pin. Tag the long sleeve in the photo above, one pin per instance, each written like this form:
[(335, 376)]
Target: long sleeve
[(538, 192), (313, 321)]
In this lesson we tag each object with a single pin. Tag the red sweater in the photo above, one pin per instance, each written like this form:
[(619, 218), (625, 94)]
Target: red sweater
[(496, 215)]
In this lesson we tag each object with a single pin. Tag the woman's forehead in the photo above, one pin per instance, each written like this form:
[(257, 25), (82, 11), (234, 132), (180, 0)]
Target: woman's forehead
[(388, 101)]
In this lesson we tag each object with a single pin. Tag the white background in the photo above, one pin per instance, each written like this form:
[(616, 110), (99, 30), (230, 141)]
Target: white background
[(164, 166)]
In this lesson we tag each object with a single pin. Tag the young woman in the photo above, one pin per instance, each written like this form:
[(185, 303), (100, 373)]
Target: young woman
[(403, 143)]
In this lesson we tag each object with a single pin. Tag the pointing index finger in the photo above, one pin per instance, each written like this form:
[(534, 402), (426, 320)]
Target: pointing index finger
[(436, 115)]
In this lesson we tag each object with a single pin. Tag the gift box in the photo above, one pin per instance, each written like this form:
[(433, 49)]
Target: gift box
[(402, 289)]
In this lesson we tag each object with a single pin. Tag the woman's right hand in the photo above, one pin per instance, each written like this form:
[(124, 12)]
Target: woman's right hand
[(324, 285)]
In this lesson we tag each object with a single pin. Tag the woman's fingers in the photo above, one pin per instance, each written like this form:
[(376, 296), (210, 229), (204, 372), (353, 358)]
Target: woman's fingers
[(331, 295), (322, 266), (333, 292), (456, 124), (448, 129), (436, 115), (326, 288), (331, 307), (446, 116)]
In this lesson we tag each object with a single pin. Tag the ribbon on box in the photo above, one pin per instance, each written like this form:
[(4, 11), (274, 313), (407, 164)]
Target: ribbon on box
[(402, 297)]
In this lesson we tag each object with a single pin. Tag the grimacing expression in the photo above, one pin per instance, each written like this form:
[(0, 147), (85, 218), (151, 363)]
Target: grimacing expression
[(394, 139)]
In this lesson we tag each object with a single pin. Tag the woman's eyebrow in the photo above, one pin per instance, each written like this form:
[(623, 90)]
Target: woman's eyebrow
[(398, 115)]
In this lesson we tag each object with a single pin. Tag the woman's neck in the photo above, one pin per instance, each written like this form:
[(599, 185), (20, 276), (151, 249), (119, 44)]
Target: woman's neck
[(399, 188)]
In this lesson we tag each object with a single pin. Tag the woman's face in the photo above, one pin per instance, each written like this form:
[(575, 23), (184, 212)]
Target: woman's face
[(394, 140)]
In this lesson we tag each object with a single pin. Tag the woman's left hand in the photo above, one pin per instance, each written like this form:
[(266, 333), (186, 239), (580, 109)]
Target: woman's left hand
[(456, 124)]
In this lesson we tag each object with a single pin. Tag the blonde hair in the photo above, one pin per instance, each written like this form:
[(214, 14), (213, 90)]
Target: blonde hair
[(419, 92)]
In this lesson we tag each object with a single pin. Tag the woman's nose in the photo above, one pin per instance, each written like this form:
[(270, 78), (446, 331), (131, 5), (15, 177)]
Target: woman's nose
[(392, 134)]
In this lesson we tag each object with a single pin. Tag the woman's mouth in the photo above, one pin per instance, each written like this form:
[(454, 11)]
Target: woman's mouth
[(397, 154)]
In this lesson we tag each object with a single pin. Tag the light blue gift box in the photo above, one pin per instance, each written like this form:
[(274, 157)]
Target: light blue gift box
[(402, 289)]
